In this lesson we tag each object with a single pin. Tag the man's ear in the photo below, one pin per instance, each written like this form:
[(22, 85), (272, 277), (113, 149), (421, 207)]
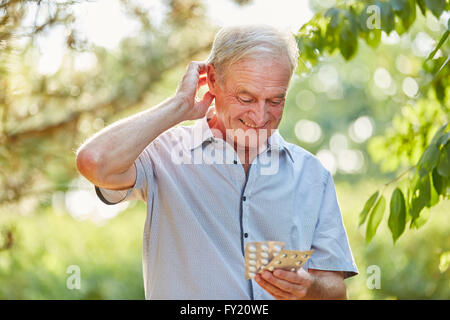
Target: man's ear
[(211, 78)]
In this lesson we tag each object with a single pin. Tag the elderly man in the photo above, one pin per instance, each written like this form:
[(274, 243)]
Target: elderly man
[(205, 186)]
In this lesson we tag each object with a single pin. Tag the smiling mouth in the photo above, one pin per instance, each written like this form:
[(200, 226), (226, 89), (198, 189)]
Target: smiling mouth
[(252, 126)]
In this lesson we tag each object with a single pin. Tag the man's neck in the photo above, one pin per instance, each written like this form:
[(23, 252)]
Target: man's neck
[(246, 155)]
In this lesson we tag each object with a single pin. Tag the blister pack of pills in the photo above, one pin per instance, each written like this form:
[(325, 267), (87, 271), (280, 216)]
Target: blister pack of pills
[(289, 259), (258, 254), (268, 255)]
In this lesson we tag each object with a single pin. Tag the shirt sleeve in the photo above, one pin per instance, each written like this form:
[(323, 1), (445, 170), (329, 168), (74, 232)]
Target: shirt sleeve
[(330, 242), (144, 179)]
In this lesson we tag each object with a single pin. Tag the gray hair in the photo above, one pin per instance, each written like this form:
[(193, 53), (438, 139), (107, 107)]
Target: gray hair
[(234, 43)]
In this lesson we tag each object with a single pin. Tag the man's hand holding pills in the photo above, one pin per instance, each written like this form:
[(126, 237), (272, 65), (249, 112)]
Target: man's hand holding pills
[(286, 285)]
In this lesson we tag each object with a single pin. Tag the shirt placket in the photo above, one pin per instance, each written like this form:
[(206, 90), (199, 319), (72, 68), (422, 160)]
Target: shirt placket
[(245, 184), (256, 292)]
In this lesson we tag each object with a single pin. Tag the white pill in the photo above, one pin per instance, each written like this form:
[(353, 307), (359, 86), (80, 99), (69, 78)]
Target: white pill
[(252, 256), (276, 247), (252, 268), (284, 255), (264, 254), (278, 262), (251, 248), (251, 274), (299, 262), (264, 261), (270, 268), (252, 262), (305, 256), (264, 247), (293, 256), (293, 269)]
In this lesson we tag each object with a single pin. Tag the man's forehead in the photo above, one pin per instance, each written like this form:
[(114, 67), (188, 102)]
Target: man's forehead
[(253, 74), (274, 93)]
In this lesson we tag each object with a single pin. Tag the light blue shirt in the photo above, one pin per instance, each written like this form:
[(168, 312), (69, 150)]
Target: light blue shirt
[(201, 215)]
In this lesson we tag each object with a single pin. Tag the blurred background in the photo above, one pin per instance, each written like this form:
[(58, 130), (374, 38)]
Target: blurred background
[(70, 68)]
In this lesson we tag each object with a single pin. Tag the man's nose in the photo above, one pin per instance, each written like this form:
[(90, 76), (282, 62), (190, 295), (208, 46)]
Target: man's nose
[(259, 114)]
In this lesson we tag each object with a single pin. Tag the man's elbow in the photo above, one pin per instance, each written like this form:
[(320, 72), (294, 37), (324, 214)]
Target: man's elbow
[(88, 164)]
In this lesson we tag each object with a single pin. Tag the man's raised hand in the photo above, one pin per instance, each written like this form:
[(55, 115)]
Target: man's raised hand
[(194, 78)]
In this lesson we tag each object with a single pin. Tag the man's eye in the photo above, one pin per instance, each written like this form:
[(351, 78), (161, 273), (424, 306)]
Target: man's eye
[(245, 100), (276, 102)]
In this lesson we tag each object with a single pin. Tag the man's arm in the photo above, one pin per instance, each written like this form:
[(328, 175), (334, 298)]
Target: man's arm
[(327, 285), (302, 285), (107, 158)]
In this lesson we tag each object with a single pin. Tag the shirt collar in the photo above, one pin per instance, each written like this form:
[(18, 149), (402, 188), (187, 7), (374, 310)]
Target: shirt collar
[(277, 142), (202, 133)]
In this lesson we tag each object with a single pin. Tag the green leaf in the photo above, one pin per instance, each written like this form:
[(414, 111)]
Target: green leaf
[(387, 16), (439, 182), (373, 38), (367, 207), (434, 197), (399, 28), (397, 217), (375, 218), (429, 160), (420, 196), (412, 13), (420, 221), (443, 167), (421, 4), (439, 89), (371, 34), (397, 5), (334, 14), (443, 140), (436, 6), (408, 13), (439, 133), (348, 41)]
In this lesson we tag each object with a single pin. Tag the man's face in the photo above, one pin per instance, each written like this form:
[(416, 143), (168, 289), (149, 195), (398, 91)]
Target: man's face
[(252, 94)]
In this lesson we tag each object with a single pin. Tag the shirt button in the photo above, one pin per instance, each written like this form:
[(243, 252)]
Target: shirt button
[(244, 198), (246, 235), (235, 161)]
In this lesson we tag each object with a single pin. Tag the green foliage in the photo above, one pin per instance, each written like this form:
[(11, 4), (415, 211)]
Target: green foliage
[(403, 144), (443, 167), (367, 207), (375, 216), (340, 27), (44, 117), (397, 216), (426, 186), (421, 195), (435, 6), (348, 35), (415, 268), (408, 141)]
